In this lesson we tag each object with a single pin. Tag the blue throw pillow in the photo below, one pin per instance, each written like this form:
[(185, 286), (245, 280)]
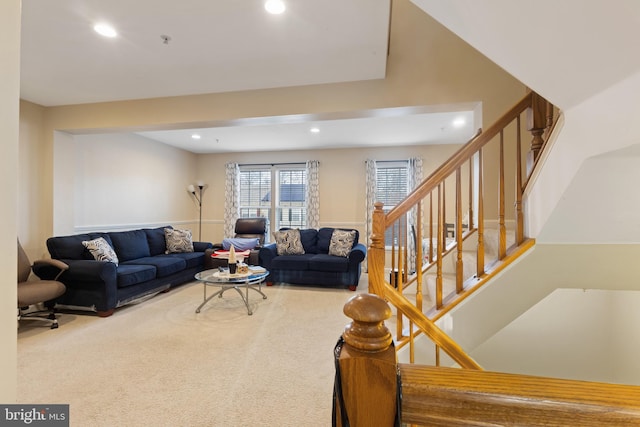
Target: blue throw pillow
[(240, 243)]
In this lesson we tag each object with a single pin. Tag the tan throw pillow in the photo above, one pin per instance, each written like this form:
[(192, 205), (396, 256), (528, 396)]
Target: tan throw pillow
[(288, 242), (178, 241), (101, 250), (341, 242)]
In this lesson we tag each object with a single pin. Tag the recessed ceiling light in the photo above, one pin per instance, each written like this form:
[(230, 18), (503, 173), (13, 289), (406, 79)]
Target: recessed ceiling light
[(314, 130), (196, 136), (459, 122), (274, 6), (105, 30)]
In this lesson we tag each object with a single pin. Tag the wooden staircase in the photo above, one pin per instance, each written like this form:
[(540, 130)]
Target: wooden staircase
[(469, 263), (460, 241)]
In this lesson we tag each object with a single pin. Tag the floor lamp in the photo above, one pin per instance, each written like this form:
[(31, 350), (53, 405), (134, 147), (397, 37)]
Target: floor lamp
[(198, 196)]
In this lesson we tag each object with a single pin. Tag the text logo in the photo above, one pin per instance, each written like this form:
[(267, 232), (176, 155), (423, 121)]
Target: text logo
[(34, 415)]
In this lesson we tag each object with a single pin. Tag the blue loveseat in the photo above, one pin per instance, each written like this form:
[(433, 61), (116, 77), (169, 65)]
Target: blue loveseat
[(143, 268), (315, 266)]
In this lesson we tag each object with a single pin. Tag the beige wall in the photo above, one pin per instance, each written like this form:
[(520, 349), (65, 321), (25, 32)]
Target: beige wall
[(9, 110), (126, 181), (571, 333), (31, 172)]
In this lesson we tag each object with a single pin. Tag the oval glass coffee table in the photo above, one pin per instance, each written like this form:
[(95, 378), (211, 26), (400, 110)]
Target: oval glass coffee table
[(225, 281)]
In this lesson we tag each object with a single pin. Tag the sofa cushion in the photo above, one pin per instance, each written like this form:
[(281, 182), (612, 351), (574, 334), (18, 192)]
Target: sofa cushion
[(130, 244), (341, 242), (291, 262), (71, 247), (240, 243), (132, 274), (309, 238), (324, 238), (178, 241), (193, 259), (165, 265), (101, 250), (288, 242), (156, 240), (325, 262)]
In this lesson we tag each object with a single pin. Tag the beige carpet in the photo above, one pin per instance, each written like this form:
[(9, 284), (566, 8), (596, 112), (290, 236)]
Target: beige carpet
[(158, 363)]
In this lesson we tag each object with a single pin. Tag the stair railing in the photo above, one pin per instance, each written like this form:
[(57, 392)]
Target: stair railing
[(453, 213), (372, 389)]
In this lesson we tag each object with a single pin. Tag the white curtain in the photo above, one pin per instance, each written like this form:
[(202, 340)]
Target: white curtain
[(312, 196), (231, 198), (415, 178), (370, 182)]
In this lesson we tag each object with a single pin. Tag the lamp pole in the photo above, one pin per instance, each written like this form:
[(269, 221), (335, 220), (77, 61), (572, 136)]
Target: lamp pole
[(200, 187), (198, 196)]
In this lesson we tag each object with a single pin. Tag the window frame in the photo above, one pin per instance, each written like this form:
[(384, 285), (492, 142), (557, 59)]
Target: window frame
[(392, 164), (275, 188)]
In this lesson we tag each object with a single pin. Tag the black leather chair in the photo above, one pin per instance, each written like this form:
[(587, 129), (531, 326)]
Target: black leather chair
[(252, 228), (244, 228)]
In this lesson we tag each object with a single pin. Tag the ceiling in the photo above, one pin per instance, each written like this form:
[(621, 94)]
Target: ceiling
[(590, 45), (398, 126), (223, 46)]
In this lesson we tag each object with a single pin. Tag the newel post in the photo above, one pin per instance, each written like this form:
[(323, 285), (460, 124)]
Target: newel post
[(536, 124), (366, 366), (376, 254)]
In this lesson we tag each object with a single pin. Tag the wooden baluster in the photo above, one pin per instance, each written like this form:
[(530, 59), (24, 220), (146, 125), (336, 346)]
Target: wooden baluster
[(397, 274), (550, 116), (419, 256), (440, 212), (394, 277), (399, 324), (367, 364), (412, 347), (376, 253), (443, 234), (404, 271), (536, 124), (519, 189), (459, 265), (430, 227), (398, 245), (502, 235), (480, 253), (470, 221)]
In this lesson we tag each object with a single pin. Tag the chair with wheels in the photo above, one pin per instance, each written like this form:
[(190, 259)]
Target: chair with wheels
[(36, 292)]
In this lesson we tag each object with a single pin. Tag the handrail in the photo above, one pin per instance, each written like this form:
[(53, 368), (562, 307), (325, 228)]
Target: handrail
[(372, 389), (437, 396), (457, 159), (437, 336), (431, 194)]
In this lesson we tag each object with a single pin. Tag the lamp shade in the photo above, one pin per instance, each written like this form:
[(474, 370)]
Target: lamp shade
[(191, 188)]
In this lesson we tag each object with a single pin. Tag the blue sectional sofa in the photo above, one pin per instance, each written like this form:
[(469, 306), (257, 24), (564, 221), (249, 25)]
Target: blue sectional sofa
[(144, 268), (315, 266)]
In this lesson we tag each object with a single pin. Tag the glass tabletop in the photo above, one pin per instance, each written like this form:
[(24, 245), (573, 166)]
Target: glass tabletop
[(221, 275)]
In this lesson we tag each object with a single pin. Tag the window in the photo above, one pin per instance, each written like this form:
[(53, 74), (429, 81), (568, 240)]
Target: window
[(255, 187), (288, 184), (291, 211), (392, 186)]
